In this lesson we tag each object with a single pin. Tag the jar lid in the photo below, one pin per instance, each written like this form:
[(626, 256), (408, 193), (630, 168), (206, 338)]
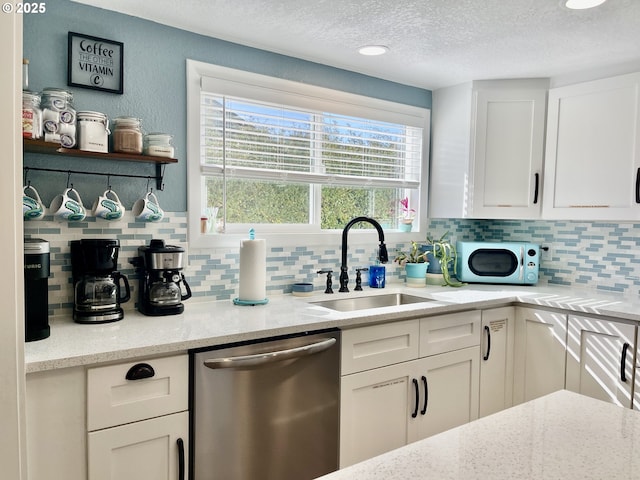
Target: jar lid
[(57, 92), (127, 121), (29, 95), (88, 115), (156, 138)]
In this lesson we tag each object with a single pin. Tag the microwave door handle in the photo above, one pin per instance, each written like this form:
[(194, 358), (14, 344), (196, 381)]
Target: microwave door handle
[(521, 274)]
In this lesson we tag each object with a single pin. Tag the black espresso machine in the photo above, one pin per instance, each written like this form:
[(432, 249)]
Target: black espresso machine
[(159, 267), (98, 288)]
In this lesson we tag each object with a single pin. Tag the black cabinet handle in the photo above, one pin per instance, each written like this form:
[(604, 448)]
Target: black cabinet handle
[(140, 371), (623, 360), (180, 459), (488, 331), (536, 188), (415, 386), (426, 395), (638, 186)]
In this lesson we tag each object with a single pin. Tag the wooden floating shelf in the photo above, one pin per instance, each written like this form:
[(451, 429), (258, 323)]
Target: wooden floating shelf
[(40, 146)]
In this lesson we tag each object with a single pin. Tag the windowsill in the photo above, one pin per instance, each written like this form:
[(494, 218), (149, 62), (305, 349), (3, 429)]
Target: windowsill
[(321, 239)]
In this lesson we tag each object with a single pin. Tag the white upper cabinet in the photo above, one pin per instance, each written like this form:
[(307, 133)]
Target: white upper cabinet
[(488, 146), (592, 164)]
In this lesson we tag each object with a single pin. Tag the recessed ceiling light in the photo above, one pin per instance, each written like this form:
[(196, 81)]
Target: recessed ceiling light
[(583, 4), (372, 50)]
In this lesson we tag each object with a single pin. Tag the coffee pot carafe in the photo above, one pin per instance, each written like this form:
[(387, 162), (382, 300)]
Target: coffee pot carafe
[(101, 293)]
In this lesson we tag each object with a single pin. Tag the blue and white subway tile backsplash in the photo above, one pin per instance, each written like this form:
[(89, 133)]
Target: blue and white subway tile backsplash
[(604, 256)]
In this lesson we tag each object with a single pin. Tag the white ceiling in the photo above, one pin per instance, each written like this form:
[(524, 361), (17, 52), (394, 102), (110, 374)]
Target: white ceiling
[(433, 43)]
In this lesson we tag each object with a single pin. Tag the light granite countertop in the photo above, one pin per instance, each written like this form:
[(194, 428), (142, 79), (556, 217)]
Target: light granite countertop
[(563, 435), (206, 323)]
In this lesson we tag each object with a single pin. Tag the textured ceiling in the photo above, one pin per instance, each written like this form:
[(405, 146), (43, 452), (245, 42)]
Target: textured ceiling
[(433, 43)]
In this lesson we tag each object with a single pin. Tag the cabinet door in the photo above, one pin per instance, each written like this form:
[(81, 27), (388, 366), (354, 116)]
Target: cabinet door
[(450, 388), (496, 362), (375, 408), (539, 353), (153, 449), (600, 359), (508, 152), (388, 407), (593, 156), (56, 417)]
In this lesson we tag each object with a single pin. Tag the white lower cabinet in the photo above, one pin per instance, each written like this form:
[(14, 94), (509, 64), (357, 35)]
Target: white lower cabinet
[(95, 423), (138, 420), (56, 418), (539, 353), (389, 406), (600, 359), (149, 449), (496, 362)]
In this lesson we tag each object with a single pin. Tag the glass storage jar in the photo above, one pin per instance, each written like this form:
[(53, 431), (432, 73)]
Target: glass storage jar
[(158, 145), (93, 132), (31, 115), (58, 117), (127, 135)]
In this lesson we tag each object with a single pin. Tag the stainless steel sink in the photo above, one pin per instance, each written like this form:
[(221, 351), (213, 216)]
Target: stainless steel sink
[(375, 301)]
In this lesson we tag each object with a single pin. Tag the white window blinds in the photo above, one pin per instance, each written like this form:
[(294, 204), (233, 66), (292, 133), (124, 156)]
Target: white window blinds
[(300, 144)]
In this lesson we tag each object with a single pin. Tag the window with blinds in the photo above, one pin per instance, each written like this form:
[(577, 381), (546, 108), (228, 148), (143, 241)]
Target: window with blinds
[(248, 139), (298, 158)]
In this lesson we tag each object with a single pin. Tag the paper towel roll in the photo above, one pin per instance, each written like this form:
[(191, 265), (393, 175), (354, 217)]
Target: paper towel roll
[(253, 270)]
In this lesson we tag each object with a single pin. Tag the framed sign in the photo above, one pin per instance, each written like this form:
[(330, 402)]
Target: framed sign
[(95, 63)]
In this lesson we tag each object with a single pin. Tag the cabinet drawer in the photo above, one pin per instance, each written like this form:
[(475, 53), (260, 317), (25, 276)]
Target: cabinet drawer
[(379, 345), (114, 400), (445, 333)]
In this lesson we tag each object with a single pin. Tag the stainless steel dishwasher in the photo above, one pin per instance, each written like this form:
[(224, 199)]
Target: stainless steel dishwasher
[(266, 410)]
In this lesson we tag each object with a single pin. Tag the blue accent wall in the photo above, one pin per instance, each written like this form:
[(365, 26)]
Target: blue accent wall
[(155, 89)]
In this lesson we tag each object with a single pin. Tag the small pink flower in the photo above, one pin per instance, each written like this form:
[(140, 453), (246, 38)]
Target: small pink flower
[(406, 211)]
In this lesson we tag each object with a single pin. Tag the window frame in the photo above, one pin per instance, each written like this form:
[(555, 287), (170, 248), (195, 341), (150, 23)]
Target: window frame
[(237, 82)]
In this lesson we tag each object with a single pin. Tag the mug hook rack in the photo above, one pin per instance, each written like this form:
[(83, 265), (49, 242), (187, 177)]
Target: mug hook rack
[(158, 178)]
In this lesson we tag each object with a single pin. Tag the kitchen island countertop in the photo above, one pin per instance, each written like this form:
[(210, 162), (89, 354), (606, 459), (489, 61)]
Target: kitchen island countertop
[(207, 323), (563, 435)]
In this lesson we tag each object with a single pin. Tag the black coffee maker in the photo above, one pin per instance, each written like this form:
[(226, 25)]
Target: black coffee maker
[(159, 267), (36, 289), (98, 288)]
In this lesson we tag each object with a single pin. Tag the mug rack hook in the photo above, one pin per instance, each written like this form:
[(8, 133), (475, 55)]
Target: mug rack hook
[(69, 179), (25, 180)]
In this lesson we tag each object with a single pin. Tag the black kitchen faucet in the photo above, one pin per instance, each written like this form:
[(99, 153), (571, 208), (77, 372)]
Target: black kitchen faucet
[(383, 256)]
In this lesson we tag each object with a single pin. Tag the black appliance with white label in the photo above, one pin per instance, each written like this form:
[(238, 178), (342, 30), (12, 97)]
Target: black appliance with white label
[(36, 289)]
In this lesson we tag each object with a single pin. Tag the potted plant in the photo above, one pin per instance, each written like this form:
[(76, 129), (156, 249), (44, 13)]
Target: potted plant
[(443, 256), (407, 216), (415, 264)]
